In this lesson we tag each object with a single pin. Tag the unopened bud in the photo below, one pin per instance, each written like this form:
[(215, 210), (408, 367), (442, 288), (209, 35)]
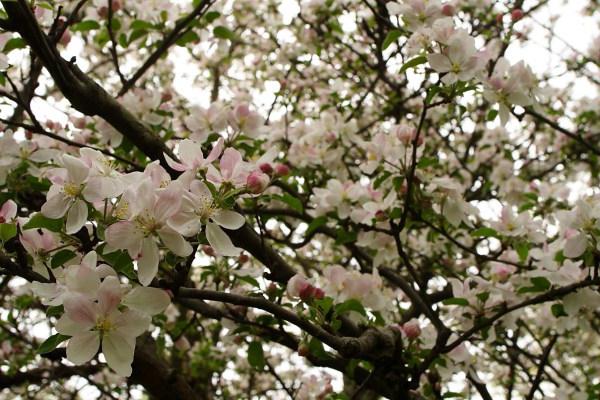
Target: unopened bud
[(243, 258), (448, 10), (257, 182), (28, 135), (282, 170), (208, 250), (266, 168), (516, 14), (303, 350)]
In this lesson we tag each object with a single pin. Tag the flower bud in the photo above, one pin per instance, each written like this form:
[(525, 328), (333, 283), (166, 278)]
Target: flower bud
[(28, 135), (182, 344), (65, 38), (208, 250), (516, 14), (307, 293), (499, 18), (381, 215), (257, 182), (448, 10), (282, 170), (411, 329), (266, 168), (243, 258), (303, 350)]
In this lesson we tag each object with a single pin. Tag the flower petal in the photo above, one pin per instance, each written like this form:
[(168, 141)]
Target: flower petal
[(147, 300), (229, 219), (118, 351), (56, 206), (148, 262), (76, 217), (175, 242), (83, 347), (220, 241)]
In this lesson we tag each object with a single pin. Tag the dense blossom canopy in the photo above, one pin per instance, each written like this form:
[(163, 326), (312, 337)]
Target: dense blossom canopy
[(305, 199)]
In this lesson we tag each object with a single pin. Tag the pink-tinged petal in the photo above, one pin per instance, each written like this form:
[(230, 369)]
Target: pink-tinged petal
[(576, 245), (157, 174), (216, 151), (148, 262), (118, 351), (82, 279), (213, 175), (76, 217), (147, 300), (229, 219), (76, 168), (101, 187), (90, 259), (220, 241), (296, 284), (168, 202), (175, 242), (199, 189), (174, 164), (81, 310), (125, 235), (229, 161), (56, 206), (187, 224), (439, 62), (132, 323), (142, 198), (109, 295), (66, 326), (83, 347), (8, 210), (190, 153)]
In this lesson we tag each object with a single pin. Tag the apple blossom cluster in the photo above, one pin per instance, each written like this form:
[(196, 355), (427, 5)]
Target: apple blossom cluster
[(100, 311), (146, 211), (451, 52)]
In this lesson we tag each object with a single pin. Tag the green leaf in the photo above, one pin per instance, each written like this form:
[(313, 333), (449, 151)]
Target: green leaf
[(54, 311), (211, 16), (350, 305), (316, 224), (522, 249), (538, 284), (14, 43), (425, 162), (431, 93), (39, 221), (456, 301), (51, 343), (139, 24), (343, 236), (558, 310), (188, 37), (7, 231), (121, 262), (291, 201), (491, 115), (61, 257), (223, 33), (484, 232), (256, 356), (85, 26), (390, 38), (249, 279), (413, 63)]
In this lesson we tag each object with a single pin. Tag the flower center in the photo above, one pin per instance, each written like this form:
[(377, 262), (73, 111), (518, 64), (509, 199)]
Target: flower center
[(103, 325), (72, 189), (147, 224), (206, 209)]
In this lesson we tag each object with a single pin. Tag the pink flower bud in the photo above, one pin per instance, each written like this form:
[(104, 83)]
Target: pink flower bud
[(242, 111), (448, 10), (411, 329), (303, 350), (296, 284), (502, 271), (28, 135), (243, 258), (208, 250), (282, 170), (319, 293), (516, 14), (65, 38), (307, 292), (257, 182), (380, 215), (79, 123), (499, 18), (266, 168)]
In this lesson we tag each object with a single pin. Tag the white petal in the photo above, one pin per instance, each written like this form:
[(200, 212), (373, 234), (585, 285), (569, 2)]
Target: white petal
[(76, 217), (56, 206), (229, 219), (83, 347), (147, 300), (124, 235), (66, 326), (132, 323), (175, 242), (118, 351), (439, 62), (77, 169), (220, 241), (81, 310), (148, 262), (109, 295), (576, 245)]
